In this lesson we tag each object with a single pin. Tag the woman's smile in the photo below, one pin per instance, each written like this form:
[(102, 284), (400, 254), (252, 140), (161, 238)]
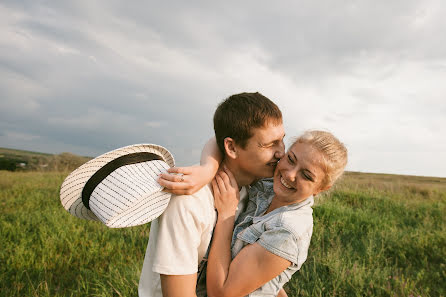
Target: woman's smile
[(285, 184)]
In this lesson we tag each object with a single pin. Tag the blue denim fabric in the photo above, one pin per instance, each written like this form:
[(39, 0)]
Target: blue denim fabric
[(285, 232)]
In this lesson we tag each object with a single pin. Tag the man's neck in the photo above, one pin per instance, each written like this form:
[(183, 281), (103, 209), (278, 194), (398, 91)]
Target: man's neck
[(242, 178)]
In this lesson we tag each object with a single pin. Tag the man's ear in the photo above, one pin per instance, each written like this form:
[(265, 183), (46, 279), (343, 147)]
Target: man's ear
[(230, 147)]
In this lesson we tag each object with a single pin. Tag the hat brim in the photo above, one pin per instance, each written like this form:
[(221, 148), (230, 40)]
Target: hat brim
[(71, 189)]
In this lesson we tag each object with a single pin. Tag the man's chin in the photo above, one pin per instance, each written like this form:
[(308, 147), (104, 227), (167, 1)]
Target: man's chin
[(270, 172)]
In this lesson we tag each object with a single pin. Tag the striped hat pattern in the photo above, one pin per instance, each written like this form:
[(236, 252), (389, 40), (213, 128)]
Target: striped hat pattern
[(119, 188)]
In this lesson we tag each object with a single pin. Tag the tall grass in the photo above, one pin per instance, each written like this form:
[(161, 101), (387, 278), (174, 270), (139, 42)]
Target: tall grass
[(374, 235), (377, 235), (47, 252)]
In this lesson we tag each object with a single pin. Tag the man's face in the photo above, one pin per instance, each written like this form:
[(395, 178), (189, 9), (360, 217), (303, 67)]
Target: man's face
[(262, 151)]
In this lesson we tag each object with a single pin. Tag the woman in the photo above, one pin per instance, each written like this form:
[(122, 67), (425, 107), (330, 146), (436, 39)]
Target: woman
[(271, 238)]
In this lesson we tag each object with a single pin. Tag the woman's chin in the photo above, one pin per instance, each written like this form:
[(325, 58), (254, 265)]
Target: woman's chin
[(280, 188)]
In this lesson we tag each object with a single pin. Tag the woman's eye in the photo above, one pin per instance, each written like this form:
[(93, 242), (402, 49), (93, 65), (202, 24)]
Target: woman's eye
[(290, 160), (307, 177)]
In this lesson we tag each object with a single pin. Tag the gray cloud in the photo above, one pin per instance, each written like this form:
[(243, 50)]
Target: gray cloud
[(89, 77)]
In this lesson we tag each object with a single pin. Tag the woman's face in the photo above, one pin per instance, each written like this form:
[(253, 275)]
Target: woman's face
[(299, 174)]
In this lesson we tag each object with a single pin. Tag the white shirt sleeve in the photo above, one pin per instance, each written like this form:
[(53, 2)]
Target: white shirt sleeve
[(179, 235)]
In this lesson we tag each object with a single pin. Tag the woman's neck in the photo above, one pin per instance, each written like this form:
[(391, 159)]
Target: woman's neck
[(276, 203)]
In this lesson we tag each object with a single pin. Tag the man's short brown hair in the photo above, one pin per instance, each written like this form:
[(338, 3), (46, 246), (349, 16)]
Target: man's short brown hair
[(238, 114)]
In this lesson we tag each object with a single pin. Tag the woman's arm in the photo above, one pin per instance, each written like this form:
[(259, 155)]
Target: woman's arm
[(188, 180), (282, 293), (225, 200), (252, 267)]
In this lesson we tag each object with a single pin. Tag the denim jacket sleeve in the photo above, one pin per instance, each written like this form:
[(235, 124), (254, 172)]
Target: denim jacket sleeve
[(280, 242), (275, 239)]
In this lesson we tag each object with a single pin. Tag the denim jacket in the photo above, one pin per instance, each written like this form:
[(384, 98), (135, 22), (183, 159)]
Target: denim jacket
[(286, 232)]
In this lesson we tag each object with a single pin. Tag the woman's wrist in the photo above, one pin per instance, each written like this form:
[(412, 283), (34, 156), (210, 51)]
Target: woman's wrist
[(227, 215)]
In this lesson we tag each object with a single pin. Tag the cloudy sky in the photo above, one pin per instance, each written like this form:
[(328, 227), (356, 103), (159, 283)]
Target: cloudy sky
[(91, 76)]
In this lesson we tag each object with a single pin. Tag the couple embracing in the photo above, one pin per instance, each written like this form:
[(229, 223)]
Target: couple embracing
[(262, 229)]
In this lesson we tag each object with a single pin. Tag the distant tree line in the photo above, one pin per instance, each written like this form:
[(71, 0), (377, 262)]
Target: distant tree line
[(40, 162)]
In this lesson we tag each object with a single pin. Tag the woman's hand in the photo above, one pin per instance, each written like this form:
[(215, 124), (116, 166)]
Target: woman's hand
[(186, 180), (226, 193), (282, 293)]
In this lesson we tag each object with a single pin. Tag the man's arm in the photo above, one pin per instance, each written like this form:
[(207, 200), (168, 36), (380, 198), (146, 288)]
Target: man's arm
[(179, 237), (178, 285)]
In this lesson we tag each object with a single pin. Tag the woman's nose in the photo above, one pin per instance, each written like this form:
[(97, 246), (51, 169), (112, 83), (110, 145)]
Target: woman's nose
[(289, 175)]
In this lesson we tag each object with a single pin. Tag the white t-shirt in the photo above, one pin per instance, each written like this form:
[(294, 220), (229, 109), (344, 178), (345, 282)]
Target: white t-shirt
[(179, 238)]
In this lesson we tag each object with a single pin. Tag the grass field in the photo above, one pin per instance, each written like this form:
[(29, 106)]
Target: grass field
[(374, 235)]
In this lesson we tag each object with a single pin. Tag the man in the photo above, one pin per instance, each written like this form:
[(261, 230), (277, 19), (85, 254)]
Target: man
[(249, 133)]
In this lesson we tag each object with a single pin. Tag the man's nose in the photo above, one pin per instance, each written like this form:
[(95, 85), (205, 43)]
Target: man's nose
[(280, 152)]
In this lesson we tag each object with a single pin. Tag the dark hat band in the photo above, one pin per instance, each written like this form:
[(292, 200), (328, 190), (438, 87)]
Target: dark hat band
[(108, 168)]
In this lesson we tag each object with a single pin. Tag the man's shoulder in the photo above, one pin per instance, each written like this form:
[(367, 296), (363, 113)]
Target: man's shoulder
[(202, 195), (200, 203)]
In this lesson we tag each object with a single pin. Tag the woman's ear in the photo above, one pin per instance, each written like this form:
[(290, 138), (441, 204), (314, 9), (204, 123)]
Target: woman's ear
[(322, 190), (230, 147)]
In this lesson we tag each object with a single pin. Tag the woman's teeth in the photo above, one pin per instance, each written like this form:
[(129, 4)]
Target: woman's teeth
[(285, 183)]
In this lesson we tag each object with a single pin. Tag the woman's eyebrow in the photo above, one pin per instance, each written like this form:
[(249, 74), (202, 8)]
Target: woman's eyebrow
[(303, 169), (312, 175), (294, 155)]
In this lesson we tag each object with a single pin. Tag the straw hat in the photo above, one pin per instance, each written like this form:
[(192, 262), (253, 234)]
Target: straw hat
[(119, 188)]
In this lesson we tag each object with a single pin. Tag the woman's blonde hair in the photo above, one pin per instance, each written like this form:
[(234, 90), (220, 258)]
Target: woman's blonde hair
[(333, 151)]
